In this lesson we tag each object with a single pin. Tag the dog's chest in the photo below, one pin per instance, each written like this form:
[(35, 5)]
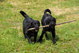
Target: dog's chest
[(31, 32), (47, 29)]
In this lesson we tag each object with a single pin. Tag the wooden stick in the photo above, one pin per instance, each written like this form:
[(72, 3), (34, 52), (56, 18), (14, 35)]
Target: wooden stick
[(48, 25)]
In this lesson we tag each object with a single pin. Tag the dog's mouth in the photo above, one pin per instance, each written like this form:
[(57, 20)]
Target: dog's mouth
[(36, 30)]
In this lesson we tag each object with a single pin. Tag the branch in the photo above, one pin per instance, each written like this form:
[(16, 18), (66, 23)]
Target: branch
[(48, 25)]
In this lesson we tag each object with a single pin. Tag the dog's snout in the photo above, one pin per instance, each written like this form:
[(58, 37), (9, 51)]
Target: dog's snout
[(36, 30)]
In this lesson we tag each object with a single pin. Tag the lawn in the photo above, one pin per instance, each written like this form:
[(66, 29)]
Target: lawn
[(11, 32)]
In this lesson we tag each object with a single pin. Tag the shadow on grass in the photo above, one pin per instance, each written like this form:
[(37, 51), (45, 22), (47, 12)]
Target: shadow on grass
[(49, 36), (44, 38)]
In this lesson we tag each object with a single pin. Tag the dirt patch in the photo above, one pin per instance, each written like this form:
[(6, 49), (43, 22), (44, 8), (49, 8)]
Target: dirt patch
[(71, 17), (28, 3), (58, 11), (13, 3), (59, 1)]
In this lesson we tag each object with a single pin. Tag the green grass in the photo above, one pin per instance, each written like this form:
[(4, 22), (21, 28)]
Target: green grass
[(11, 34)]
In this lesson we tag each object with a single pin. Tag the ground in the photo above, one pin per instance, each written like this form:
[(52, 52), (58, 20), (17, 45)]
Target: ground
[(11, 33)]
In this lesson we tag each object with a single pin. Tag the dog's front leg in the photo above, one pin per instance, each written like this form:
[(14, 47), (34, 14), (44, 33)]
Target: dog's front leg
[(53, 35), (29, 40), (35, 37), (46, 36), (41, 36)]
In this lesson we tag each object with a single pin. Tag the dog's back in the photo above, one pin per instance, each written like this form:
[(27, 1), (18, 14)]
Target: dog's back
[(47, 17), (26, 22)]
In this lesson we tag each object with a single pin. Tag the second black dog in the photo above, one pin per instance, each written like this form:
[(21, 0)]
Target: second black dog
[(48, 19), (29, 23)]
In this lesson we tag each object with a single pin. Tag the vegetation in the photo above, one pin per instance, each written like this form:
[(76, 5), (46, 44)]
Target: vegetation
[(11, 34)]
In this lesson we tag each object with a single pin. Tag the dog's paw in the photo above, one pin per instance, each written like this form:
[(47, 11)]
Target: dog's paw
[(47, 38), (54, 41), (30, 42), (39, 41)]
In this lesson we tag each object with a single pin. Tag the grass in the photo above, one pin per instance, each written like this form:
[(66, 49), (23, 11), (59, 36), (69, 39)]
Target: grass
[(11, 34)]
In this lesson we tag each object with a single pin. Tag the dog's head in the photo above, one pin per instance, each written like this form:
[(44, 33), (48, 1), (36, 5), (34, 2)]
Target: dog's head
[(36, 24)]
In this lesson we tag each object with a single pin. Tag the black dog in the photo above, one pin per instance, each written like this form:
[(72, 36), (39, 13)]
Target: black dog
[(48, 19), (29, 23)]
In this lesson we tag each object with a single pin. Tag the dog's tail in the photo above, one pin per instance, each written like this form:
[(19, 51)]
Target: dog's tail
[(47, 10), (24, 14)]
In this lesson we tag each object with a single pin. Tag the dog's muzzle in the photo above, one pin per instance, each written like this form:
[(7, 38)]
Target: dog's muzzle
[(36, 30)]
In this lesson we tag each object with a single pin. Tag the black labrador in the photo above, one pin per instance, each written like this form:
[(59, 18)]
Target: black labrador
[(48, 19), (30, 23)]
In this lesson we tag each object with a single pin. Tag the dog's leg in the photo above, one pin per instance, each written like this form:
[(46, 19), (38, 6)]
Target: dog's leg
[(53, 35), (35, 37), (46, 36), (28, 39), (41, 36)]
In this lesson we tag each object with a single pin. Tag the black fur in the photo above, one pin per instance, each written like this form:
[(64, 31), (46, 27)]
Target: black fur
[(48, 19), (29, 23)]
